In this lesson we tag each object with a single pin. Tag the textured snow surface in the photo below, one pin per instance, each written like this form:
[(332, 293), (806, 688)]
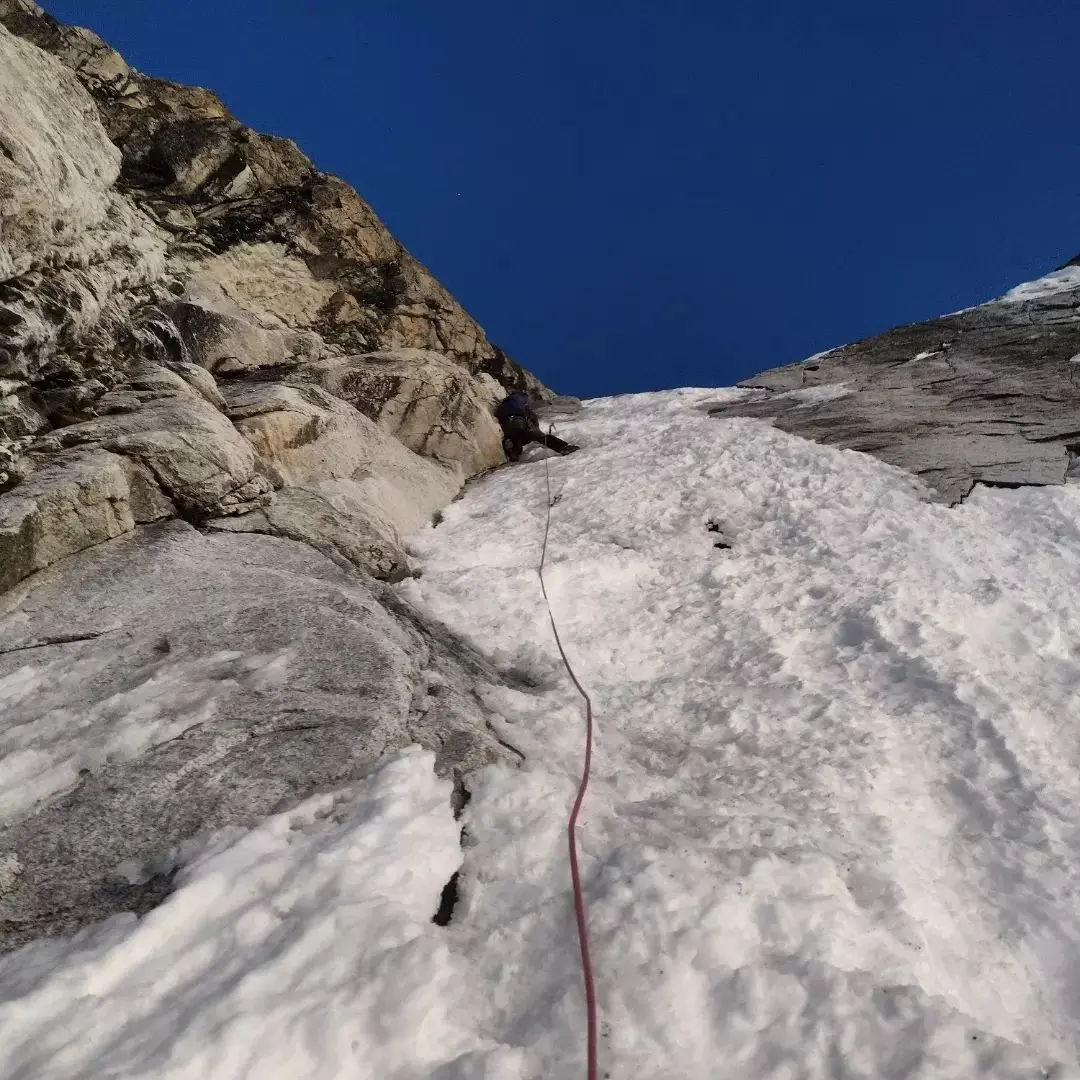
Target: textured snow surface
[(1068, 277), (303, 948), (834, 823), (833, 828)]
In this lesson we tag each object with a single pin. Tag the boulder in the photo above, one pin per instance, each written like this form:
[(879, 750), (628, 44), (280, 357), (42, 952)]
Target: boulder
[(309, 435), (201, 381), (198, 459), (227, 344), (253, 307), (82, 499), (334, 519), (431, 404), (21, 411), (349, 489)]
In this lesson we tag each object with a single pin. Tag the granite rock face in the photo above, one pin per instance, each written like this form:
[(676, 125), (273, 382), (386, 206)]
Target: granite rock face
[(154, 250), (989, 395), (425, 402), (173, 683), (243, 219), (227, 394)]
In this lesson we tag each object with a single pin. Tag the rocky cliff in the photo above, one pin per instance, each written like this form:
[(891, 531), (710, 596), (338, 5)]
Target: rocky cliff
[(989, 395), (192, 318), (226, 394)]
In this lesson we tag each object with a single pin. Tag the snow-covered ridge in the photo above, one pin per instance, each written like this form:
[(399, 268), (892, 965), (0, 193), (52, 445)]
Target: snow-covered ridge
[(1058, 281), (986, 395)]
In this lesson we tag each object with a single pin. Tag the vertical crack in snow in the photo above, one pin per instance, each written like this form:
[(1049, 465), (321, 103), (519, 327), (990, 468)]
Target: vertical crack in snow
[(447, 901)]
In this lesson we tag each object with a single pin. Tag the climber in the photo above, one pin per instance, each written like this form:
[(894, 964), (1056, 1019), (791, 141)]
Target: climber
[(520, 426)]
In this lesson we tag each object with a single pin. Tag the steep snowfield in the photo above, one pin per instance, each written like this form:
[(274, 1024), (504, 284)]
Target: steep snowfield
[(833, 829), (834, 817)]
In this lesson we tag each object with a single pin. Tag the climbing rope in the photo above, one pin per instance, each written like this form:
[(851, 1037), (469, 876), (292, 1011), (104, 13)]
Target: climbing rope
[(575, 875)]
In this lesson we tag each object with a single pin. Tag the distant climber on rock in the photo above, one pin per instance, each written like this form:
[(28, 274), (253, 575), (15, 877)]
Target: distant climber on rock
[(521, 426)]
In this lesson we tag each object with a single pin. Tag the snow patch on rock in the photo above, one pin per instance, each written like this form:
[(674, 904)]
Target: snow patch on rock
[(1063, 280), (301, 947), (47, 741)]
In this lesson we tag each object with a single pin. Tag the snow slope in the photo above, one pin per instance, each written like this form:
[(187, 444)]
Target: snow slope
[(1057, 281), (833, 829)]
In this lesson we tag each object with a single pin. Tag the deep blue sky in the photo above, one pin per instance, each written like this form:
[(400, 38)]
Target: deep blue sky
[(632, 195)]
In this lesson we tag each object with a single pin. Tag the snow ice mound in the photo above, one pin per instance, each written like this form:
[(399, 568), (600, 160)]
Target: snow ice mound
[(832, 829), (1063, 280)]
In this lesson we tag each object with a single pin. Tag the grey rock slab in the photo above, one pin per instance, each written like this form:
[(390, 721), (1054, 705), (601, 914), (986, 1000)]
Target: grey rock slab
[(283, 676), (988, 395), (329, 518)]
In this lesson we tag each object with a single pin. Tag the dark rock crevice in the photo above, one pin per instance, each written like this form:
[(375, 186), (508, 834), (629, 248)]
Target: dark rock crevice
[(448, 901)]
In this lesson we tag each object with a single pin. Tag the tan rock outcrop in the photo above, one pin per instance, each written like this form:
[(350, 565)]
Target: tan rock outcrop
[(430, 404), (153, 245), (199, 460), (81, 500), (349, 489)]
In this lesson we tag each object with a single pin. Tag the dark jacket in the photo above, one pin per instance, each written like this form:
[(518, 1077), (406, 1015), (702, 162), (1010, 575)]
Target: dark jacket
[(514, 408)]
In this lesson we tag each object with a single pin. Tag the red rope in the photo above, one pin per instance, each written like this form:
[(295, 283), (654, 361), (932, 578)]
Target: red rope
[(575, 875)]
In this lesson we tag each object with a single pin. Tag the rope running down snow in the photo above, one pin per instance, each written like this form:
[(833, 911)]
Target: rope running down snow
[(575, 876)]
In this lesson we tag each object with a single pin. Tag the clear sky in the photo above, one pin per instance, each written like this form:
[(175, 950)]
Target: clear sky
[(640, 194)]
